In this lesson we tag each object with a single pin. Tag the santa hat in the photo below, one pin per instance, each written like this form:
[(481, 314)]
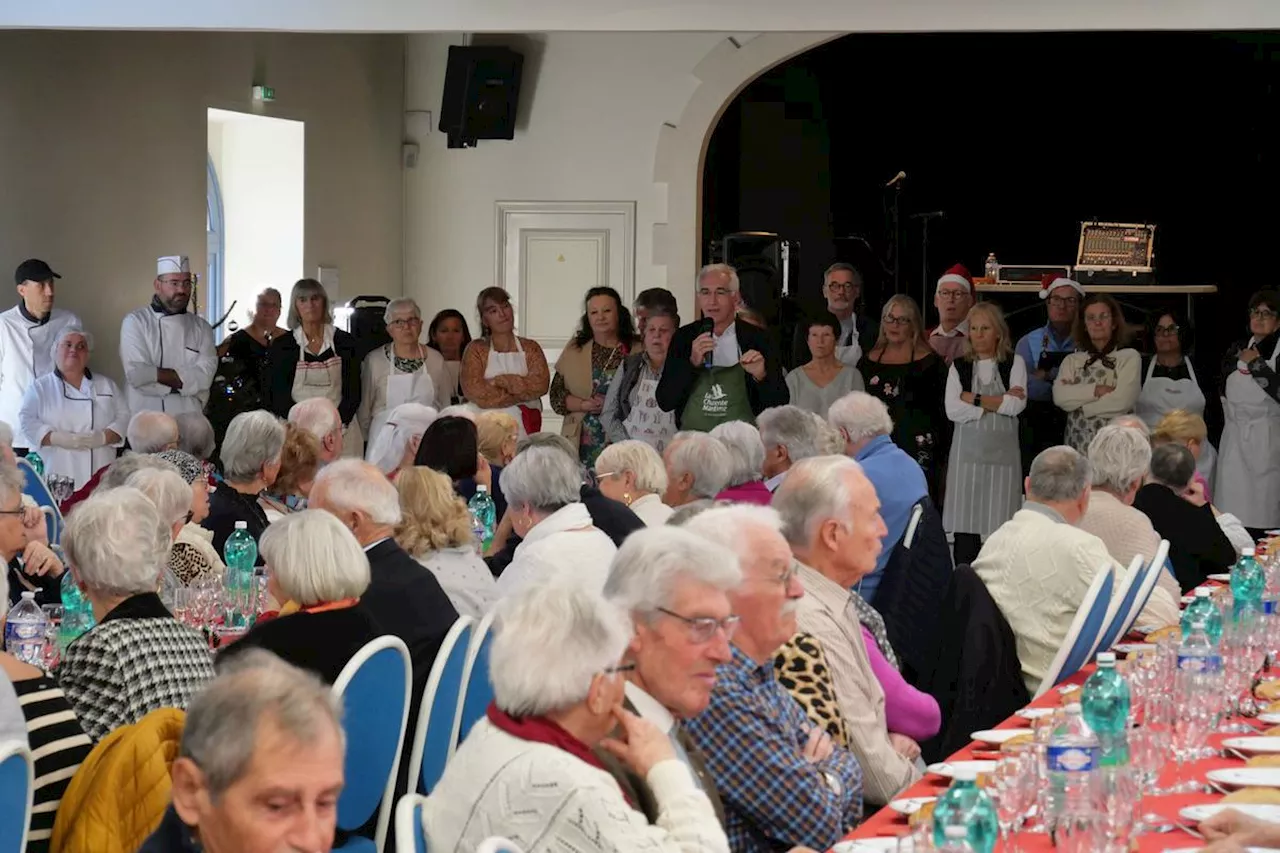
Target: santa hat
[(1052, 281), (957, 275)]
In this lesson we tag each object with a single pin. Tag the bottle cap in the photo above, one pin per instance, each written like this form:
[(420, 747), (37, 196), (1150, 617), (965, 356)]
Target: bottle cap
[(481, 487), (1247, 552), (28, 595), (242, 525), (955, 832), (964, 775), (1106, 658)]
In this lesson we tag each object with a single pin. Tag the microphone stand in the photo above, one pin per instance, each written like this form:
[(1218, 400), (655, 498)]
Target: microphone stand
[(897, 238)]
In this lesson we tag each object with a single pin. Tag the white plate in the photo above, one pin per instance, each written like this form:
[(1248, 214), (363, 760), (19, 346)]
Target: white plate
[(1036, 713), (1246, 777), (1224, 577), (910, 805), (1254, 745), (998, 736), (949, 768), (866, 845), (1131, 648), (1068, 688), (1195, 814), (1270, 719)]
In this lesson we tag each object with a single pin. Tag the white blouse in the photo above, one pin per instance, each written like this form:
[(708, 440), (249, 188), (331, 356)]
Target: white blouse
[(465, 578), (984, 370)]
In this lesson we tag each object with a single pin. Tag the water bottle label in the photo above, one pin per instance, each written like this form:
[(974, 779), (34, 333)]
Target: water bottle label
[(1071, 759), (1269, 607), (21, 631), (1199, 663)]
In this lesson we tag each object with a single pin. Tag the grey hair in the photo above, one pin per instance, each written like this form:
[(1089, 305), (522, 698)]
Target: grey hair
[(459, 411), (6, 434), (223, 720), (118, 543), (547, 439), (306, 287), (166, 489), (1132, 422), (860, 416), (727, 525), (842, 266), (830, 440), (12, 482), (318, 416), (638, 458), (542, 478), (314, 558), (353, 485), (254, 439), (651, 562), (746, 450), (816, 490), (63, 335), (396, 304), (1058, 474), (1172, 465), (706, 458), (792, 428), (128, 465), (692, 509), (1119, 456), (151, 432), (730, 274), (195, 435), (550, 640)]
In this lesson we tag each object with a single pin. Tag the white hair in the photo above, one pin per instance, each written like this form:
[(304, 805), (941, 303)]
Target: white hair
[(550, 640), (12, 482), (638, 458), (816, 489), (728, 526), (117, 543), (253, 439), (459, 411), (6, 434), (542, 478), (1119, 456), (63, 335), (860, 416), (318, 416), (652, 561), (398, 303), (790, 427), (166, 489), (1132, 422), (195, 435), (126, 466), (352, 485), (151, 432), (729, 273), (1058, 474), (830, 439), (314, 558), (706, 458), (746, 450), (405, 423)]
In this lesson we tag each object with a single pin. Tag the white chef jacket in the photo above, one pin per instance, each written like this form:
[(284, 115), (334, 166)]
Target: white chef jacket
[(26, 353), (53, 404), (151, 339)]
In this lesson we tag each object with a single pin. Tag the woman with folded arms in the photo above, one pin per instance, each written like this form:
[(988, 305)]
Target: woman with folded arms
[(1101, 379)]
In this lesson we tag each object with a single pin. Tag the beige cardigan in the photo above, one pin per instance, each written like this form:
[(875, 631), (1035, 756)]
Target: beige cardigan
[(574, 365)]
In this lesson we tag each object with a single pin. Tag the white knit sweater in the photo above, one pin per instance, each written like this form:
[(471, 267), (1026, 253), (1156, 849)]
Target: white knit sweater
[(1127, 532), (548, 801)]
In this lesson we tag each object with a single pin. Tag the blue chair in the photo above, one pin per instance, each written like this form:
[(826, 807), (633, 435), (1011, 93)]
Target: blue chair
[(374, 687), (410, 836), (17, 787), (433, 732), (1133, 594), (477, 692), (34, 488), (1082, 637)]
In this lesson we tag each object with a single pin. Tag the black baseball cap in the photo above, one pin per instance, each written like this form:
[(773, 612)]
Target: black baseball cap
[(33, 269)]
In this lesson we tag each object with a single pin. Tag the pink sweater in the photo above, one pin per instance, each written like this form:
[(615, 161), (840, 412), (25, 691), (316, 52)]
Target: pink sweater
[(907, 710), (755, 492)]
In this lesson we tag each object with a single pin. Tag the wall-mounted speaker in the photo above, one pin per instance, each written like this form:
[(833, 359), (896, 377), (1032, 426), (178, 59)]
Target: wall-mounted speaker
[(481, 91)]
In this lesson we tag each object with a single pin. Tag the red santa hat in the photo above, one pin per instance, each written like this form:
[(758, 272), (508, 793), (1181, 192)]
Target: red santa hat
[(957, 275), (1052, 281)]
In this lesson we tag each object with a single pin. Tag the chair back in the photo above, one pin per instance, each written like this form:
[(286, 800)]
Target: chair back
[(909, 538), (374, 687), (1132, 597), (477, 692), (411, 835), (433, 732), (1082, 637), (498, 844), (913, 588), (35, 488), (17, 788)]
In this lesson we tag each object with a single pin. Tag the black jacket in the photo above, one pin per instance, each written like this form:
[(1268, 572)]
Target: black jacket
[(226, 507), (407, 601), (1197, 545), (679, 374), (322, 642), (282, 367)]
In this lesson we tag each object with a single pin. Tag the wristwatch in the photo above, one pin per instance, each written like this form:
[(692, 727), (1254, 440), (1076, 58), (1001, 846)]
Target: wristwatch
[(977, 400)]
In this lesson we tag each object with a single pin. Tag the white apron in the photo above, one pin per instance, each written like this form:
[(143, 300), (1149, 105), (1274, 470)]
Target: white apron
[(514, 363), (402, 388), (1160, 396), (646, 422), (984, 474), (91, 408), (1247, 481), (324, 379)]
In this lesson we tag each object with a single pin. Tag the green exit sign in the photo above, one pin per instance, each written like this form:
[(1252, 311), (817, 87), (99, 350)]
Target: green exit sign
[(264, 93)]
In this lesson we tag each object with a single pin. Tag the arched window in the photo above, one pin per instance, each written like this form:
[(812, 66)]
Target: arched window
[(214, 285)]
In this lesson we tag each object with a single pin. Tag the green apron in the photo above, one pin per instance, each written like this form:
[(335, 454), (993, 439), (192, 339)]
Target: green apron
[(719, 395)]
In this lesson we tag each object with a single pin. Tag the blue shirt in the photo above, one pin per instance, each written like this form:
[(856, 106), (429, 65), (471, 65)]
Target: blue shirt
[(900, 484), (1030, 347), (752, 736)]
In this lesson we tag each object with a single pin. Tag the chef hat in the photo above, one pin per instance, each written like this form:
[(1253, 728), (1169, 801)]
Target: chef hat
[(1052, 281), (170, 264), (958, 274)]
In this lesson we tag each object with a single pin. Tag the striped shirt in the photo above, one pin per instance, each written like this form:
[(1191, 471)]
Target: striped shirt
[(58, 746)]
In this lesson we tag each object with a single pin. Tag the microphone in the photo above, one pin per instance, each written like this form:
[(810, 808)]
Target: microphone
[(708, 326), (898, 178)]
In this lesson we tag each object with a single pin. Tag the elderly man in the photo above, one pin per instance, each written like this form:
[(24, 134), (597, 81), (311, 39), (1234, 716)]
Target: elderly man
[(698, 468), (260, 767), (1043, 349), (830, 516), (319, 416), (152, 432), (841, 286), (781, 779), (1119, 457), (789, 434), (899, 482), (13, 539), (953, 298), (195, 435), (1038, 565), (674, 584), (720, 368)]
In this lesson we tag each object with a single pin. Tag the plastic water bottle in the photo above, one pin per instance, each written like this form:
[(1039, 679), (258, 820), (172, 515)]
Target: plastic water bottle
[(1104, 702), (991, 269), (1271, 605), (24, 630), (1248, 582), (1204, 615), (77, 612), (1199, 667), (240, 554), (37, 462), (956, 840), (1071, 764), (481, 506), (478, 532), (966, 807)]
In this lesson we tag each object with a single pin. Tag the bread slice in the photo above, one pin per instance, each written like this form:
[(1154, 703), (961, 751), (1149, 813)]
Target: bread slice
[(1167, 631), (1269, 690), (1017, 741), (922, 815), (1263, 761), (1258, 796)]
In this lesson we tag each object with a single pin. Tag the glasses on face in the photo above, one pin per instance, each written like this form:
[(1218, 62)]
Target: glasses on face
[(405, 322), (620, 668), (891, 320), (1262, 313), (1063, 301), (16, 512), (846, 286), (180, 283), (1093, 319), (703, 628), (952, 295), (1167, 330), (718, 293)]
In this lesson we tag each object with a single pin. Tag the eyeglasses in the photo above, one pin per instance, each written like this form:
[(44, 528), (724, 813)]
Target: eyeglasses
[(185, 282), (897, 321), (1097, 318), (952, 295), (620, 668), (718, 293), (405, 323), (1063, 301), (600, 475), (1167, 330), (19, 511), (841, 285), (703, 628), (1262, 313)]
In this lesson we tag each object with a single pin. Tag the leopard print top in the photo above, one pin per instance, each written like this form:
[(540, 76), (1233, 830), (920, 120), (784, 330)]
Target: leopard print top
[(188, 564), (801, 667)]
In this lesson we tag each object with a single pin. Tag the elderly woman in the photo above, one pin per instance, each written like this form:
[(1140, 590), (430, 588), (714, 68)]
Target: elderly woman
[(633, 473), (250, 463), (403, 371), (299, 463), (193, 553), (631, 405), (397, 443), (318, 571), (173, 497), (137, 658), (448, 335), (586, 368), (543, 486), (1101, 379), (497, 434), (435, 529), (316, 360), (558, 694), (75, 419), (746, 475), (818, 383), (195, 435), (501, 370)]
